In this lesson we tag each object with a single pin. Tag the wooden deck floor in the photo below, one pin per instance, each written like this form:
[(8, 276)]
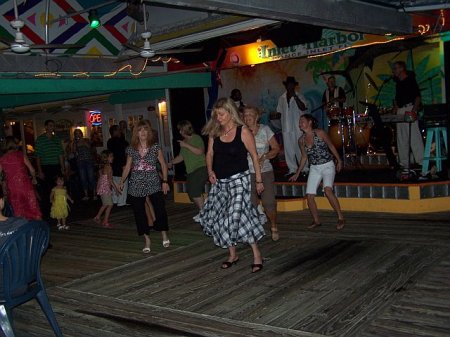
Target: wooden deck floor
[(384, 275)]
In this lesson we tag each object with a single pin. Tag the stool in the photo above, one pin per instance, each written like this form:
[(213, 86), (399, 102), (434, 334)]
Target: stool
[(441, 148)]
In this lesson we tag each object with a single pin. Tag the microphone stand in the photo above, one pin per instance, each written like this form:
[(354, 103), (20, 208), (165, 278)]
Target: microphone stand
[(373, 112)]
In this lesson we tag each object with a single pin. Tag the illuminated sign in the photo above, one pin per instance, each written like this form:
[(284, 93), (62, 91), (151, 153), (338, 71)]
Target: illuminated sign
[(267, 51), (95, 118)]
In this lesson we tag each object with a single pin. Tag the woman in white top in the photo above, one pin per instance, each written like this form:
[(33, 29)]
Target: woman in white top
[(267, 148)]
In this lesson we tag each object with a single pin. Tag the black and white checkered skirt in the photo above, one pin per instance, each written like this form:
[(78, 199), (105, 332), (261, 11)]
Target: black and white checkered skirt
[(229, 215)]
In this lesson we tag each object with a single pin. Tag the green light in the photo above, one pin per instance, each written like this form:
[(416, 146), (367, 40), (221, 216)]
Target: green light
[(94, 21)]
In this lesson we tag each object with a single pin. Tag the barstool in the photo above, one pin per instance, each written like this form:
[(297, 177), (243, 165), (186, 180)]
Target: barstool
[(435, 132)]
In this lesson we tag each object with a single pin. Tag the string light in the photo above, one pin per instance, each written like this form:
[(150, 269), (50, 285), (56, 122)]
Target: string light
[(442, 18), (423, 29), (48, 75), (351, 47), (82, 74), (130, 70)]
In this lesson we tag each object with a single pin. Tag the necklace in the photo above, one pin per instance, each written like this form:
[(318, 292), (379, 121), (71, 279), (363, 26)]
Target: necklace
[(228, 131)]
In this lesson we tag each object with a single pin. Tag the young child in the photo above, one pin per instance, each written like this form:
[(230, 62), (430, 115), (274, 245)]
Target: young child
[(58, 199), (105, 185)]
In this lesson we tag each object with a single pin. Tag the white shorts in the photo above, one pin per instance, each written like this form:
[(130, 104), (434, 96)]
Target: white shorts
[(317, 173)]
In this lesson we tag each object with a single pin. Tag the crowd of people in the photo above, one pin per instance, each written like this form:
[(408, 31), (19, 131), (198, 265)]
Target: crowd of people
[(236, 162)]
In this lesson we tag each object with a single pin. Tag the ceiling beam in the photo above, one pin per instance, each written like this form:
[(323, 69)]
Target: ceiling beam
[(337, 14), (46, 86)]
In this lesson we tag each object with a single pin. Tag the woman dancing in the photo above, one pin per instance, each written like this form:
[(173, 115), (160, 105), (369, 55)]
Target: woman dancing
[(228, 214), (316, 144)]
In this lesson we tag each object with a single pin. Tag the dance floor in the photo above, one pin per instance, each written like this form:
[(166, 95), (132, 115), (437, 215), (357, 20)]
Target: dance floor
[(383, 275)]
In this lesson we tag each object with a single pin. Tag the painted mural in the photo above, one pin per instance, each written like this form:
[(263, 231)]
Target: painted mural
[(427, 65), (261, 84), (106, 40)]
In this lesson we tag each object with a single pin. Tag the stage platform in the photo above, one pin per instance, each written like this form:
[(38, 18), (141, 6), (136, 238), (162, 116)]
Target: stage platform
[(368, 186)]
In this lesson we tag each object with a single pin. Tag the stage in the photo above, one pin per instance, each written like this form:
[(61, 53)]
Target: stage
[(366, 184)]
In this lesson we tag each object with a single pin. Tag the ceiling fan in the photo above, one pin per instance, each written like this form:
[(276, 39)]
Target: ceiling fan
[(19, 44), (146, 51)]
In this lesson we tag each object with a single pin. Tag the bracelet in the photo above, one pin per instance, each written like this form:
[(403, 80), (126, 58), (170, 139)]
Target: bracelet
[(259, 182), (164, 181)]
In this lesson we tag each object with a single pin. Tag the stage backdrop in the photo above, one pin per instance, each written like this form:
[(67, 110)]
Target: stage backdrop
[(262, 84)]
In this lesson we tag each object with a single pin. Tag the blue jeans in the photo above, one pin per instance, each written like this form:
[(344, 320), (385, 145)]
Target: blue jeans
[(86, 172)]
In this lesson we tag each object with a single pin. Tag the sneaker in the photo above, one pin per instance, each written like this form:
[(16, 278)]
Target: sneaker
[(196, 218), (65, 227), (60, 227)]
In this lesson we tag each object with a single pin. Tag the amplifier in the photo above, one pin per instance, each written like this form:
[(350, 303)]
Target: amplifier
[(436, 113)]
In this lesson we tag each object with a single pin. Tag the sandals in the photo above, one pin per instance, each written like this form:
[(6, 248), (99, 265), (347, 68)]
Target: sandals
[(166, 243), (107, 225), (256, 265), (228, 264), (340, 224), (146, 250), (275, 234), (314, 225)]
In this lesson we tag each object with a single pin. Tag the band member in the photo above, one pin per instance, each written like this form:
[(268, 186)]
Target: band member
[(407, 102), (333, 94), (236, 96), (291, 105)]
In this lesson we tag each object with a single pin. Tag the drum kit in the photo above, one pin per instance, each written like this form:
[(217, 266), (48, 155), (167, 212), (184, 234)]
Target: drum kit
[(354, 133)]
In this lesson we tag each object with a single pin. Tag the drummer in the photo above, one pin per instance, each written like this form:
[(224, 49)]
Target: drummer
[(333, 98)]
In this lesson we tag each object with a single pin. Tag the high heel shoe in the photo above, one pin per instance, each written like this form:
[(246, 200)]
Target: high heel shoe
[(257, 265), (228, 264)]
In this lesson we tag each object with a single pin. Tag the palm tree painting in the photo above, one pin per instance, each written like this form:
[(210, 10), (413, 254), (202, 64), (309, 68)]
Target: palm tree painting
[(426, 66)]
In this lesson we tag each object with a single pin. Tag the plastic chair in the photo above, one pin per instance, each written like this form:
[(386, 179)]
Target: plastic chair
[(20, 261)]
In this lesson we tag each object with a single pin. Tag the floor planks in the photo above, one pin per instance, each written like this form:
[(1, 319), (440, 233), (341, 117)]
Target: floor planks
[(384, 275)]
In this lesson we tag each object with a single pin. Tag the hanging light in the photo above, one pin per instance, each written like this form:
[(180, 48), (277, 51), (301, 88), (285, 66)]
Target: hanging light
[(94, 21)]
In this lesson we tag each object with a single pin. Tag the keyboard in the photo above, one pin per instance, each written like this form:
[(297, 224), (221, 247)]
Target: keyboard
[(389, 118)]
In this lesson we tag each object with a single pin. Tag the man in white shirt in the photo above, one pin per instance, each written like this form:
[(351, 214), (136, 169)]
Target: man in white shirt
[(291, 105)]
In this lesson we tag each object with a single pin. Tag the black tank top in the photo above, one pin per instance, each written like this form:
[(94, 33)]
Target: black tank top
[(230, 158)]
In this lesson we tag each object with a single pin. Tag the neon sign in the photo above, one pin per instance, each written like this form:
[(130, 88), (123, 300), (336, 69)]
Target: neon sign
[(95, 118)]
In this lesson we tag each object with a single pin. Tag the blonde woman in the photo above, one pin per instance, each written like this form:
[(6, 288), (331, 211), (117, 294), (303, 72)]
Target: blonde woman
[(143, 154), (267, 148), (228, 214)]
